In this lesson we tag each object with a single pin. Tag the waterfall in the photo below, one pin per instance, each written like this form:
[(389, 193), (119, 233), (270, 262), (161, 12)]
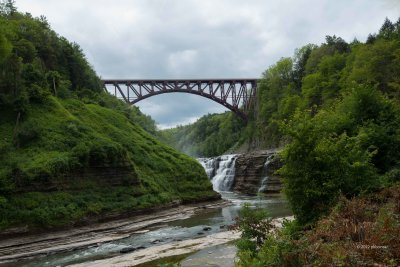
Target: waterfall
[(264, 180), (221, 171)]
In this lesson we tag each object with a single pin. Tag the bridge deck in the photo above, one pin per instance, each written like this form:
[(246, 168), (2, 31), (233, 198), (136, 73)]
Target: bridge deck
[(227, 80), (235, 94)]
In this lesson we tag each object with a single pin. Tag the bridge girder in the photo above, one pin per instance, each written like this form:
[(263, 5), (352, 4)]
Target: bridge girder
[(235, 94)]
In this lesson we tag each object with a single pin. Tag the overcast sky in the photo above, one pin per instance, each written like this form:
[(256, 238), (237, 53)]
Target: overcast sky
[(201, 38)]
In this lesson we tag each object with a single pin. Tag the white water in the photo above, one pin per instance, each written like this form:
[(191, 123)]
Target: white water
[(264, 179), (221, 171)]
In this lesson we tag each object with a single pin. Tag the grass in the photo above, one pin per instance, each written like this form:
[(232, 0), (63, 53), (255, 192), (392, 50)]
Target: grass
[(58, 139)]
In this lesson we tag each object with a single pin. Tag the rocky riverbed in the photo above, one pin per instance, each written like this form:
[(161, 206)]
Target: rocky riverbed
[(172, 249), (36, 245)]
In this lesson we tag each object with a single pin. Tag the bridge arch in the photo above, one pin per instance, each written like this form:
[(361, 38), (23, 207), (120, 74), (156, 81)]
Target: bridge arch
[(235, 94)]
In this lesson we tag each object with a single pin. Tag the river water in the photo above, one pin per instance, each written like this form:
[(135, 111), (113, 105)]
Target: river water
[(221, 173)]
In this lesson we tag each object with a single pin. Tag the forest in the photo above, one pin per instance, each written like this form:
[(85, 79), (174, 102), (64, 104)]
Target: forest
[(69, 151), (334, 112)]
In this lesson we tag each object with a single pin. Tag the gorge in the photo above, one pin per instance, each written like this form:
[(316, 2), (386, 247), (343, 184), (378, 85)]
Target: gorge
[(88, 180), (175, 225)]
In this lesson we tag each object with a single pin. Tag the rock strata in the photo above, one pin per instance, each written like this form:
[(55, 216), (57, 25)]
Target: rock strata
[(251, 169), (19, 248), (123, 175)]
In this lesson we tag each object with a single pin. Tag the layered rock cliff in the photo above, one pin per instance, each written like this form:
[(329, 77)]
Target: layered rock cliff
[(255, 172)]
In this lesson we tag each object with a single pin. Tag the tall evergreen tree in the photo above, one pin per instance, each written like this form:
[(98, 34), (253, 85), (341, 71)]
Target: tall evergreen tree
[(387, 29)]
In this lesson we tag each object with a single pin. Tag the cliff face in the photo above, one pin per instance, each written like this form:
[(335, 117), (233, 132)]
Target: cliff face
[(80, 179), (254, 172)]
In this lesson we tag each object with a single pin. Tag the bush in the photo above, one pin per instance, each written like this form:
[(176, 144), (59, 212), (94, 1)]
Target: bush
[(256, 228), (339, 151), (359, 232), (392, 176), (27, 132), (259, 246), (6, 182), (38, 94)]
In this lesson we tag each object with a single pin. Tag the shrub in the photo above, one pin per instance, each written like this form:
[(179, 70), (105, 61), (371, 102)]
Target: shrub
[(339, 151), (37, 94), (27, 132)]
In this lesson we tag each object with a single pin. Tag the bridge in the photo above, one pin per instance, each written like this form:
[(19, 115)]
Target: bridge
[(238, 95)]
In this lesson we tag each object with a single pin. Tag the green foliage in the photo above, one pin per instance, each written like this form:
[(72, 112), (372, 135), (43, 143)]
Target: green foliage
[(259, 245), (61, 138), (256, 228), (336, 108), (62, 208), (341, 150), (376, 64), (26, 133), (314, 79), (5, 47), (68, 150), (211, 135), (7, 8), (131, 112), (388, 30), (30, 52), (340, 121), (254, 224), (358, 232), (277, 98), (322, 86)]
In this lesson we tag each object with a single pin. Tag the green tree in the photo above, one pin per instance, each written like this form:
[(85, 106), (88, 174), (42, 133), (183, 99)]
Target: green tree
[(375, 64), (323, 85), (5, 48), (299, 66), (342, 150), (7, 8), (387, 30)]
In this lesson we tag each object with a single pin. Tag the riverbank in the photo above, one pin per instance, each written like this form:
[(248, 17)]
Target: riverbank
[(172, 249), (43, 244)]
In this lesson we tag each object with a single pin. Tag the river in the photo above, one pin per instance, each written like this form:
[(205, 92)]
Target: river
[(200, 225)]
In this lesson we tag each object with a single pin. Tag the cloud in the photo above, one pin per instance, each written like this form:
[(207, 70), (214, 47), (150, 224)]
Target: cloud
[(202, 38), (181, 61), (392, 4)]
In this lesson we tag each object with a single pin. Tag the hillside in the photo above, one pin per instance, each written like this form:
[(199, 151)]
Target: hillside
[(69, 151), (211, 135), (334, 111), (314, 79)]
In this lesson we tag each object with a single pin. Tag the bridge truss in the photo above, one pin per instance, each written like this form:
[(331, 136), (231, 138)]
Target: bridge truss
[(235, 94)]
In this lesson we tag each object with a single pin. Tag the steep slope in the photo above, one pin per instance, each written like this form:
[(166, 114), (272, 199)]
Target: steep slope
[(70, 160), (211, 135), (70, 152)]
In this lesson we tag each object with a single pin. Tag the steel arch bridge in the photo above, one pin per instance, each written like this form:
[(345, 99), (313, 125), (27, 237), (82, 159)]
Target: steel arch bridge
[(238, 95)]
